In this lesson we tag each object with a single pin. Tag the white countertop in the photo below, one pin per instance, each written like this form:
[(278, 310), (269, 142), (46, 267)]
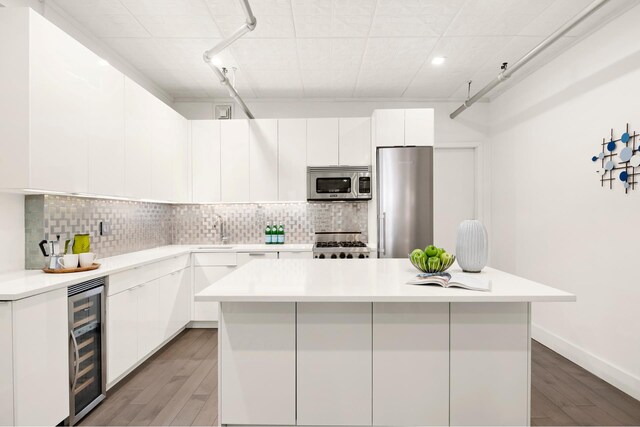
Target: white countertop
[(370, 280), (25, 283)]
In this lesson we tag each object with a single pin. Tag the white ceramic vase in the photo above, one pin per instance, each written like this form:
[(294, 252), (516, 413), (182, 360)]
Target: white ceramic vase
[(472, 246)]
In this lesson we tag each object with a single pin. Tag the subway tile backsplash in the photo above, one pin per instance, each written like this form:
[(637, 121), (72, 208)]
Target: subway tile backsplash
[(139, 225)]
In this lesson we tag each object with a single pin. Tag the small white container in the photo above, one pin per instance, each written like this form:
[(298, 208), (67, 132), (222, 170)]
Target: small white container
[(472, 246)]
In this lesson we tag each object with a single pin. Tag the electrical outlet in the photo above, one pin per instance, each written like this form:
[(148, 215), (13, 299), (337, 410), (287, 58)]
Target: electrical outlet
[(105, 228)]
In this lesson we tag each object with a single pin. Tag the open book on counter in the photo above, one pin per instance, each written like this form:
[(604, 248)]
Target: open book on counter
[(448, 280)]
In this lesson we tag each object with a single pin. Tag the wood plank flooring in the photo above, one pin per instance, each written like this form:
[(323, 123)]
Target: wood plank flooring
[(179, 386)]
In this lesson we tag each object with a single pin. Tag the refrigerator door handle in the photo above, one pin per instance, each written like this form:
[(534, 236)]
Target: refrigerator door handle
[(383, 233), (76, 362)]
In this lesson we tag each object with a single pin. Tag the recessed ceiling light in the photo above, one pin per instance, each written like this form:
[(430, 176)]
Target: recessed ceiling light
[(438, 60)]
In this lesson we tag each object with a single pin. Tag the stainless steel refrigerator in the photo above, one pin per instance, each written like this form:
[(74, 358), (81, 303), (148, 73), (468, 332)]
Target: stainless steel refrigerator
[(405, 200)]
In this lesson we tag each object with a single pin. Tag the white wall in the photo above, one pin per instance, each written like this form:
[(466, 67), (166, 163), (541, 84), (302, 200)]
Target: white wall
[(11, 232), (552, 221)]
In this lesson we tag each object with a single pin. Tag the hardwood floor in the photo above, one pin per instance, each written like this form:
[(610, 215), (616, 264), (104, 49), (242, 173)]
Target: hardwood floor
[(179, 386)]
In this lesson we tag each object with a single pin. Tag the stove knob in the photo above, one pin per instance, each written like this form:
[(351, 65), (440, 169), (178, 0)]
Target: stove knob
[(321, 256), (342, 255), (349, 256), (361, 256), (334, 256)]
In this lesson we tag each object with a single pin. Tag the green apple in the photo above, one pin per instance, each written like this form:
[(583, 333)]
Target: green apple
[(433, 263), (431, 251), (416, 254), (446, 258), (441, 251)]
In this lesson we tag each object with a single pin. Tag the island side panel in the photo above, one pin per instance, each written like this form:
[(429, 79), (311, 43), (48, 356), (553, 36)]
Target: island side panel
[(411, 364), (490, 365), (334, 363), (257, 363)]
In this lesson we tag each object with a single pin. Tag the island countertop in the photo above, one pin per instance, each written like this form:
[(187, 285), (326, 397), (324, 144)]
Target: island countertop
[(370, 280)]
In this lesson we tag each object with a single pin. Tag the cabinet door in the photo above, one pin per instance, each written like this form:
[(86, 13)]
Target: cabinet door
[(174, 303), (181, 164), (60, 72), (205, 160), (149, 334), (41, 359), (322, 142), (418, 127), (204, 277), (105, 130), (334, 363), (162, 153), (258, 363), (245, 257), (6, 365), (122, 333), (355, 141), (389, 128), (138, 140), (292, 160), (234, 154), (263, 160), (411, 364)]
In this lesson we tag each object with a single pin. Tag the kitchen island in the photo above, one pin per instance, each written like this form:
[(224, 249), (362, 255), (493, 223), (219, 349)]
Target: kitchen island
[(339, 342)]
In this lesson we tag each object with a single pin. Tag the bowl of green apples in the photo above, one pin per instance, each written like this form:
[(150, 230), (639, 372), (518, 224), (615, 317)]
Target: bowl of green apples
[(432, 259)]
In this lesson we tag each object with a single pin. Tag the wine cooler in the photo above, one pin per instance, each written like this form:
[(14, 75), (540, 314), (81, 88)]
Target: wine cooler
[(87, 370)]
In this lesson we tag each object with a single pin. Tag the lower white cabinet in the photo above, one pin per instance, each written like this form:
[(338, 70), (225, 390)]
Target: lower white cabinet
[(295, 255), (245, 257), (202, 278), (334, 368), (122, 333), (257, 345), (34, 361), (174, 302), (148, 319)]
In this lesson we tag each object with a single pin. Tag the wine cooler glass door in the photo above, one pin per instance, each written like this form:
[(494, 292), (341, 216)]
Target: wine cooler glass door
[(86, 317)]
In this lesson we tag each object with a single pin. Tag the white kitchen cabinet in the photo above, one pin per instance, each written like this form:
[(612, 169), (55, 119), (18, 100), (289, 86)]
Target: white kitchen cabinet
[(174, 304), (205, 160), (245, 257), (41, 359), (263, 160), (6, 364), (411, 364), (295, 255), (138, 140), (388, 128), (355, 141), (202, 278), (234, 155), (334, 369), (181, 159), (489, 364), (419, 127), (162, 153), (292, 160), (122, 333), (322, 142), (149, 334), (106, 131), (258, 351)]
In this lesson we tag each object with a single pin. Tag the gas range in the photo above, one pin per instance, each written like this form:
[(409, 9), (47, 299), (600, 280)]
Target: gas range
[(340, 245)]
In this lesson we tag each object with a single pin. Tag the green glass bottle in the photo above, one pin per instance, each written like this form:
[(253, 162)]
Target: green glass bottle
[(267, 234), (281, 234)]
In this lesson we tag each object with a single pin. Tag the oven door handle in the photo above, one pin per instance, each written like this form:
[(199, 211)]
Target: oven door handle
[(76, 353)]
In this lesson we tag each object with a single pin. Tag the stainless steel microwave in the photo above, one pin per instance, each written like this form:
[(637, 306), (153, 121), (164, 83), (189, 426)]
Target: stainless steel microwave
[(329, 183)]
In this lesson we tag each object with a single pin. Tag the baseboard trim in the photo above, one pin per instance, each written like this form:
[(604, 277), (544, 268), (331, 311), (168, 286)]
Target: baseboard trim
[(615, 376), (203, 324)]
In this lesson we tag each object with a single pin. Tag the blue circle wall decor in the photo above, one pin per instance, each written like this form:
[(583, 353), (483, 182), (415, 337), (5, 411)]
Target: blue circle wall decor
[(623, 165)]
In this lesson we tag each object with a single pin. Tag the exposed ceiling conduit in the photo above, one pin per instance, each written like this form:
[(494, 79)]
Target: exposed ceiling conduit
[(208, 55), (507, 72)]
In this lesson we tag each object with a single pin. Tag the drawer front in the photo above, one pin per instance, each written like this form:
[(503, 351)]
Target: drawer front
[(127, 279), (245, 257), (215, 259), (172, 265), (295, 255)]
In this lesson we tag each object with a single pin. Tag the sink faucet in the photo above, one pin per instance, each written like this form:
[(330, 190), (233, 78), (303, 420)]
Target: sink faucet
[(220, 222)]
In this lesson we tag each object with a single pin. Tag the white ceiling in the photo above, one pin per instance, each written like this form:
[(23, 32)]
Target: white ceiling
[(331, 48)]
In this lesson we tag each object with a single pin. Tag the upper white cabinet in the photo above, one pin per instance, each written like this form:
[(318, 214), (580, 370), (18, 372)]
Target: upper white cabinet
[(234, 155), (322, 142), (292, 160), (263, 160), (397, 128), (419, 127), (138, 140), (355, 141), (205, 160)]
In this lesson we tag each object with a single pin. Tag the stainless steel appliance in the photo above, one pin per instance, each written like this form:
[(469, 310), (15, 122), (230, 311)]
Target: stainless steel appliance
[(54, 253), (87, 368), (340, 245), (338, 183), (405, 200)]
